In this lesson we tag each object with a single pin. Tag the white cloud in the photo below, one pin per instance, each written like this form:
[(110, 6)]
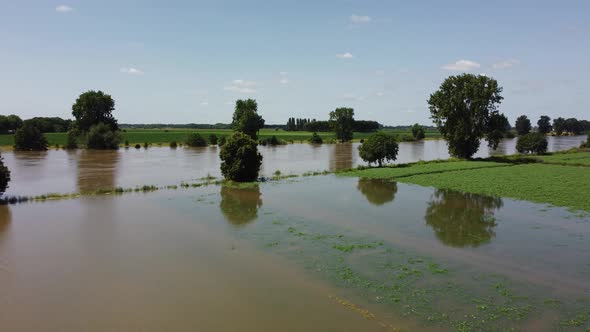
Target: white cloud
[(506, 64), (462, 65), (205, 103), (380, 94), (63, 9), (131, 71), (359, 19), (241, 86), (344, 56)]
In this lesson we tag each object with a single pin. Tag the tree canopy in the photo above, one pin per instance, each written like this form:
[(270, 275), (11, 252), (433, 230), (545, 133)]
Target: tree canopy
[(342, 122), (465, 110), (94, 107), (532, 143), (246, 118), (29, 138), (418, 132), (379, 147), (102, 137), (523, 125), (10, 123), (240, 160), (544, 124)]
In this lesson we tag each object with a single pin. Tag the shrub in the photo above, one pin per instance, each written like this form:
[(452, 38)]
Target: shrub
[(29, 138), (137, 146), (240, 160), (587, 143), (195, 139), (316, 139), (146, 145), (418, 132), (222, 141), (379, 147), (126, 143), (72, 139), (273, 140), (213, 139), (102, 137), (173, 144), (532, 143), (4, 176)]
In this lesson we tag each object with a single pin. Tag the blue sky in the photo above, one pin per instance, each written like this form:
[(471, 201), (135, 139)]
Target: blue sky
[(188, 61)]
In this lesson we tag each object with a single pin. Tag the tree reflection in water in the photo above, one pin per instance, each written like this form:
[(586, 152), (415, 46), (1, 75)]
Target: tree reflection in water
[(377, 192), (97, 169), (240, 205), (462, 220)]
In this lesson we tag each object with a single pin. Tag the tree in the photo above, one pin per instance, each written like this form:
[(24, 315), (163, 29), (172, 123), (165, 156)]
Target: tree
[(379, 147), (587, 143), (523, 125), (10, 123), (213, 139), (572, 125), (316, 139), (246, 118), (29, 138), (72, 140), (4, 176), (240, 160), (92, 108), (465, 110), (195, 139), (532, 143), (101, 136), (342, 122), (544, 124), (559, 125), (418, 131)]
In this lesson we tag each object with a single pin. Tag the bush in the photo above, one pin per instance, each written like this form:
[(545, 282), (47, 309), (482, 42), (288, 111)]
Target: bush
[(126, 143), (213, 139), (273, 140), (29, 138), (222, 141), (240, 160), (146, 145), (418, 132), (102, 137), (137, 146), (4, 176), (379, 147), (195, 139), (173, 144), (72, 139), (316, 139), (587, 143), (532, 143)]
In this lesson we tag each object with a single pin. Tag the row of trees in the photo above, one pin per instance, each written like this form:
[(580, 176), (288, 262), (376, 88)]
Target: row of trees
[(313, 125), (560, 125)]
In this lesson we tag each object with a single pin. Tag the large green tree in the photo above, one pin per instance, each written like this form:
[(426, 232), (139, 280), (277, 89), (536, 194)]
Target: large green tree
[(92, 108), (559, 125), (10, 123), (246, 118), (465, 109), (342, 122), (523, 125), (240, 160), (29, 138), (418, 132), (544, 125), (379, 147)]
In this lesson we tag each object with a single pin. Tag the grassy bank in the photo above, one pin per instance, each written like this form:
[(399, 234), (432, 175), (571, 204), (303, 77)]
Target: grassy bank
[(558, 179), (165, 136)]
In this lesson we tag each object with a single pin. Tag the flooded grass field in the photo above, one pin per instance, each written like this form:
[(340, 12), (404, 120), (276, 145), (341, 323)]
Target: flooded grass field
[(349, 255)]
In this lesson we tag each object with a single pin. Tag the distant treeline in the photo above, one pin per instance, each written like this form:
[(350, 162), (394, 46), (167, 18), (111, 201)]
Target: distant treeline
[(300, 124), (10, 123), (175, 126), (571, 125)]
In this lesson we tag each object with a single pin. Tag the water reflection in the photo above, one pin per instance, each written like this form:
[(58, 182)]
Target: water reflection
[(462, 220), (97, 169), (240, 205), (5, 219), (377, 192), (342, 156)]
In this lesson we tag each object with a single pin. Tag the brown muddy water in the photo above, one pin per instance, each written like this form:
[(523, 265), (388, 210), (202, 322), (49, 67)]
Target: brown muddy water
[(36, 173), (322, 253)]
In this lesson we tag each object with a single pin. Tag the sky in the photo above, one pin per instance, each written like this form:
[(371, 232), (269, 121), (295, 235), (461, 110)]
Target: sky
[(189, 61)]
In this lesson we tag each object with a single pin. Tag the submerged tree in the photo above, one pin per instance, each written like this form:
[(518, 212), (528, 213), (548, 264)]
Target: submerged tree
[(240, 160), (102, 137), (342, 122), (246, 118), (377, 191), (532, 143), (29, 138), (195, 140), (465, 110), (418, 132), (462, 220), (240, 205), (544, 124), (4, 176), (379, 147), (316, 139)]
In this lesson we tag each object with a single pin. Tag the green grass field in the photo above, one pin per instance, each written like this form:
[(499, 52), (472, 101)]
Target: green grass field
[(559, 185), (164, 136)]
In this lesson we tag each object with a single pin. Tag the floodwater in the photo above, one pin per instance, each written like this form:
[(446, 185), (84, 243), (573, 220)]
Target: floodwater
[(36, 173), (323, 253)]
